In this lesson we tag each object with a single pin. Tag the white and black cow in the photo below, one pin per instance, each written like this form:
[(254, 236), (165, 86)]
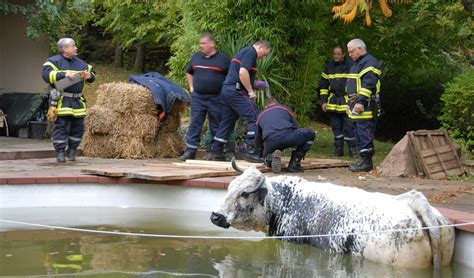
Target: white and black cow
[(292, 206)]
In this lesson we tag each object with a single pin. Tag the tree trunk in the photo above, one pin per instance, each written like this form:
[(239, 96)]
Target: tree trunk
[(63, 5), (139, 65), (118, 58)]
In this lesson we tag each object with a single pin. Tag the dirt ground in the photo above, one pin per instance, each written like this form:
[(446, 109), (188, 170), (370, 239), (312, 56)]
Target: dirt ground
[(450, 194)]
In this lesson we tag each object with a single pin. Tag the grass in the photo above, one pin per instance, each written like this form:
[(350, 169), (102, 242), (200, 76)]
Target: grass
[(324, 145)]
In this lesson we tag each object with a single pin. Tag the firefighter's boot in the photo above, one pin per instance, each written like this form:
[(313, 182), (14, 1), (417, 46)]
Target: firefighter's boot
[(71, 154), (61, 157), (218, 154), (253, 155), (364, 165), (188, 154), (295, 162)]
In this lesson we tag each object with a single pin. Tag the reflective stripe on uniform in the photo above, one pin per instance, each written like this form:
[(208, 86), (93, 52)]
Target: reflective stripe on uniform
[(76, 139), (191, 146), (68, 111), (363, 115), (220, 139), (51, 65)]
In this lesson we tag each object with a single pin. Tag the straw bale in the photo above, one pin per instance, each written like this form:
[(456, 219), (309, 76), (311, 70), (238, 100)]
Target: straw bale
[(169, 145), (103, 121), (98, 146), (173, 120), (98, 120), (124, 124), (126, 98)]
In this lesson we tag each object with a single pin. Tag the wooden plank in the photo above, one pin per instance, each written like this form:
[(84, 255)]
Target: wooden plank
[(167, 171), (105, 171), (179, 174), (417, 152), (440, 149), (426, 132), (430, 139), (434, 159), (453, 149)]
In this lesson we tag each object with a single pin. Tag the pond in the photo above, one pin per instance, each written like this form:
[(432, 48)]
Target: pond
[(25, 251)]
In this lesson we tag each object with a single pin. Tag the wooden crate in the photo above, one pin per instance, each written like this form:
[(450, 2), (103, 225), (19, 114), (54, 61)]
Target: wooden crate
[(435, 155)]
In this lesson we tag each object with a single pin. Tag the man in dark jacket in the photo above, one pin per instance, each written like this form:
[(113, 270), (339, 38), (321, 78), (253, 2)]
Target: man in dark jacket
[(334, 101), (363, 87), (67, 73), (206, 72), (238, 99), (277, 130)]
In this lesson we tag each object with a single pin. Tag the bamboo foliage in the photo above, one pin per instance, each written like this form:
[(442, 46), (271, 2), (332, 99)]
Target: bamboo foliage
[(348, 10)]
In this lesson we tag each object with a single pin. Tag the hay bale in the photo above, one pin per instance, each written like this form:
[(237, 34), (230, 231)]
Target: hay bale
[(126, 98), (97, 121), (98, 146), (124, 124), (169, 145)]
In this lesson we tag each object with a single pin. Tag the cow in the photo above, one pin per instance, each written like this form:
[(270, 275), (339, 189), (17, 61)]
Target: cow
[(379, 227)]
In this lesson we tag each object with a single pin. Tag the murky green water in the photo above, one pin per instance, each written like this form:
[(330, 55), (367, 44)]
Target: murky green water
[(28, 252)]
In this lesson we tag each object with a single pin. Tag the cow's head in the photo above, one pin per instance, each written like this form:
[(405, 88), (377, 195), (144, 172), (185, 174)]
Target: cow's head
[(243, 205)]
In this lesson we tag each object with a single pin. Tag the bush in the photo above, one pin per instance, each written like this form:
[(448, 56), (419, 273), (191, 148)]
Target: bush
[(458, 110)]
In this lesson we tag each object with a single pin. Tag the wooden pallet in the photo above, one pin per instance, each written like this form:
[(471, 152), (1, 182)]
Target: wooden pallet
[(193, 169), (435, 155)]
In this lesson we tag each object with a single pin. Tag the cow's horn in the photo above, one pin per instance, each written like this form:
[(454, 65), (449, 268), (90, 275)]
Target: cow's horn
[(236, 167), (261, 181)]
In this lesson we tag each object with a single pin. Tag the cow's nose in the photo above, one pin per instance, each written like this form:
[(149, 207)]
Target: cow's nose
[(219, 220)]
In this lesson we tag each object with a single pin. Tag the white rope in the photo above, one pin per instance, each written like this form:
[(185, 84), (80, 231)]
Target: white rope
[(227, 237)]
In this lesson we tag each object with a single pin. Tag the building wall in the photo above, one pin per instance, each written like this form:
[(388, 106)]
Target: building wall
[(20, 57)]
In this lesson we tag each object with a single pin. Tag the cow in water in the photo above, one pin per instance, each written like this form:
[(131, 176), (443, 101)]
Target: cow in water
[(376, 226)]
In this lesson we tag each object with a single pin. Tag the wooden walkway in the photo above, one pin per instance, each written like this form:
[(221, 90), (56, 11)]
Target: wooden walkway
[(194, 169)]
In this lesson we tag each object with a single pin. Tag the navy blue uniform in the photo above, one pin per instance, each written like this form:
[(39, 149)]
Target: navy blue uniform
[(208, 75), (277, 130), (235, 99), (364, 84), (333, 92), (69, 126)]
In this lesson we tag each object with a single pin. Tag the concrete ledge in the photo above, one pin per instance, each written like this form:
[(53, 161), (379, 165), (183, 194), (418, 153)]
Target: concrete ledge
[(459, 217), (455, 216)]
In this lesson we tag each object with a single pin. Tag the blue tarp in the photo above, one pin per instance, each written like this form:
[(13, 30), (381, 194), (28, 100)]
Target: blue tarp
[(164, 91)]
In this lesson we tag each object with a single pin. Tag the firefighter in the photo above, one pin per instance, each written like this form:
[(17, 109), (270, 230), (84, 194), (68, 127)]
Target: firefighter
[(363, 87), (206, 72), (238, 99), (277, 130), (67, 105), (334, 101)]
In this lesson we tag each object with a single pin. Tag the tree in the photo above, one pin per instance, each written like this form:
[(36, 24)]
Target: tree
[(55, 19), (137, 23)]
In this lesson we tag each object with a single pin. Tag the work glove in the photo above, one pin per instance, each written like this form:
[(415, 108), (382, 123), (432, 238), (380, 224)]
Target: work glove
[(352, 98), (52, 113)]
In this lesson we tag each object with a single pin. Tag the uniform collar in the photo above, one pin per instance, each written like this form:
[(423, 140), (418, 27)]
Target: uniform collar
[(362, 57), (207, 57)]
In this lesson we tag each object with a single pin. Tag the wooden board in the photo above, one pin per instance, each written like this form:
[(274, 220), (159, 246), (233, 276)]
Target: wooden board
[(193, 169), (435, 154)]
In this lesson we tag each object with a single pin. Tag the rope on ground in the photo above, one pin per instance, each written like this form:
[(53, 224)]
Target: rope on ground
[(227, 237)]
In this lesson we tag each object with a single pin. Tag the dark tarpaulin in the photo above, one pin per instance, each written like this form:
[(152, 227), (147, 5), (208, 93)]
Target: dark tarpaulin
[(165, 92)]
